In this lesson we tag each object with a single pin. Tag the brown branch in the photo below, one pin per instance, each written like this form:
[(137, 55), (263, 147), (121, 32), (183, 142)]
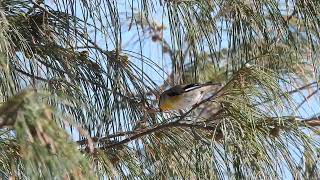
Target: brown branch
[(313, 122), (306, 99), (158, 128), (106, 138), (302, 88), (30, 75)]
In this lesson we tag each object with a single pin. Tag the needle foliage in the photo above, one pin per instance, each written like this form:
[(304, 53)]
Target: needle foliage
[(79, 83)]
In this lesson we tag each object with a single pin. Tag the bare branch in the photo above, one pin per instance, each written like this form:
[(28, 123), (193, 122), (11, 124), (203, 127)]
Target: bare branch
[(133, 135), (159, 128), (313, 122)]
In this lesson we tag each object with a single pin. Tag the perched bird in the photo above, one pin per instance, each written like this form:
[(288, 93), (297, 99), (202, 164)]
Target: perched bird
[(184, 96)]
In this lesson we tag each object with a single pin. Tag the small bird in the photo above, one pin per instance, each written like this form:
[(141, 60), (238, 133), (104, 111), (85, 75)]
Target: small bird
[(184, 96)]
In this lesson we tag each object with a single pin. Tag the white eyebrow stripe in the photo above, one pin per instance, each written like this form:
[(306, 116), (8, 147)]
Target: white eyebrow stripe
[(193, 88)]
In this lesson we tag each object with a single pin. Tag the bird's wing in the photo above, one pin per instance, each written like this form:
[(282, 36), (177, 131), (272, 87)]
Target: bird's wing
[(175, 90), (179, 89), (189, 87), (194, 86)]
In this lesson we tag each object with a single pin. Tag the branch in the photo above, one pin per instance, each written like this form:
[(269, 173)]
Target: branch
[(30, 75), (313, 122), (106, 138), (144, 132), (158, 128), (290, 92), (307, 98)]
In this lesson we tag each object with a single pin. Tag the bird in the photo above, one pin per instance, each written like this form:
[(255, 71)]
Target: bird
[(181, 97)]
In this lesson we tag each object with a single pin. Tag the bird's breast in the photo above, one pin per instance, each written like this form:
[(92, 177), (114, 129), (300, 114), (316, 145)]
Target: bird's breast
[(184, 101)]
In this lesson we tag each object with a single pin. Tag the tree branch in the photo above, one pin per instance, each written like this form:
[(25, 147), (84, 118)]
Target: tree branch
[(313, 122), (290, 92), (106, 138), (133, 135), (161, 127)]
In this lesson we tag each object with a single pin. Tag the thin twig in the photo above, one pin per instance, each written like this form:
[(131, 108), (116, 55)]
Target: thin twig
[(306, 99), (289, 92), (30, 75)]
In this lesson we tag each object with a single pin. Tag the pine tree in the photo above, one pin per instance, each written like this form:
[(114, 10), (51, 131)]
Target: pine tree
[(80, 82)]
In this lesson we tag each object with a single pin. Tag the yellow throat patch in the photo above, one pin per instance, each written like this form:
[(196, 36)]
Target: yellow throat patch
[(169, 104)]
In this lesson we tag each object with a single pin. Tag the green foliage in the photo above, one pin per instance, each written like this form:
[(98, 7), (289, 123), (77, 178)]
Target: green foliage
[(93, 113), (38, 146)]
